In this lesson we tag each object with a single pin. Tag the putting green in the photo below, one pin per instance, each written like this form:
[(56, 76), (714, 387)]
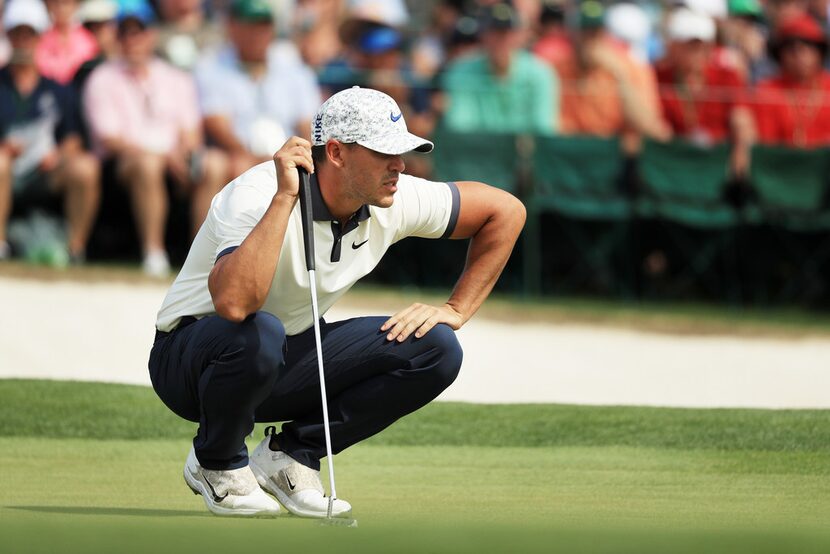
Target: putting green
[(61, 494)]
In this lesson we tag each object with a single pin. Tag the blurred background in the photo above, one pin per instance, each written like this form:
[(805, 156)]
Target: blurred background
[(666, 150)]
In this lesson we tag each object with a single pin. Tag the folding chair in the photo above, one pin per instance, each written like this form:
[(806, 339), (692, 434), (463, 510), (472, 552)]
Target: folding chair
[(684, 196), (791, 187), (486, 157), (576, 179)]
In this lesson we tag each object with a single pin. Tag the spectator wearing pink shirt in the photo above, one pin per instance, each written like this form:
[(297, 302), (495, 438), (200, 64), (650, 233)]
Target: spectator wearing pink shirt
[(143, 114), (66, 46)]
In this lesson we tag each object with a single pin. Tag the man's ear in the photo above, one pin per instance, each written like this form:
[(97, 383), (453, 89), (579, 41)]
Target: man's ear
[(334, 153)]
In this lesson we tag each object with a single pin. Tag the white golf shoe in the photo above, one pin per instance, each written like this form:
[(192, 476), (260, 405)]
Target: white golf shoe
[(233, 492), (296, 486)]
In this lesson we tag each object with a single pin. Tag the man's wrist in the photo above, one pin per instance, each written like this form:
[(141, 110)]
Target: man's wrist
[(282, 198)]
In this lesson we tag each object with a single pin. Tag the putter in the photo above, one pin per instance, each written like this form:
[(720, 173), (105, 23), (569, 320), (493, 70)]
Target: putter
[(308, 243)]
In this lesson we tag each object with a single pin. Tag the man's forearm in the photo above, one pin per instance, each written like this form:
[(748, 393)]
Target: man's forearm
[(489, 251), (240, 282), (637, 113), (220, 131)]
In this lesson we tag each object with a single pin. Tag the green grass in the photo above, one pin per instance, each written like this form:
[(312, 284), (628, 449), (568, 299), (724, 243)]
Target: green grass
[(65, 409), (96, 468)]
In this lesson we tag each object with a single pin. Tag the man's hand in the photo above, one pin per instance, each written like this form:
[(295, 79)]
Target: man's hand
[(296, 152), (179, 168), (50, 161), (420, 318)]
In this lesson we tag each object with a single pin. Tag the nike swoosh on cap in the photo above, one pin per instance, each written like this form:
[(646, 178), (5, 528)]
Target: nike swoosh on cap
[(395, 117)]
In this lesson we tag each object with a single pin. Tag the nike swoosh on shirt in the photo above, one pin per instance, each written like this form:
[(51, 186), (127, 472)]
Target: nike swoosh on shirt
[(356, 246), (395, 117)]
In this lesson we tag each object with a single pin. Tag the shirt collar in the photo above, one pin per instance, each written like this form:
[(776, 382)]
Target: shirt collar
[(321, 212)]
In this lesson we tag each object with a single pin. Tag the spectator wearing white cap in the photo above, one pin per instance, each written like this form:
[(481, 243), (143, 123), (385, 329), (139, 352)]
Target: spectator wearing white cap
[(41, 155), (66, 45), (705, 102)]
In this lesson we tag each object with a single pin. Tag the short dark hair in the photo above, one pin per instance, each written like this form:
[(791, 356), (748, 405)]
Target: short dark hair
[(318, 153)]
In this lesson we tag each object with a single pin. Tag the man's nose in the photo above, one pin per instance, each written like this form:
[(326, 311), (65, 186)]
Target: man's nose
[(397, 164)]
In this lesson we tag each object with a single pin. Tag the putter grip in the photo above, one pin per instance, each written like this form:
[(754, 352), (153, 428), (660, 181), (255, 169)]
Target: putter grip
[(307, 218)]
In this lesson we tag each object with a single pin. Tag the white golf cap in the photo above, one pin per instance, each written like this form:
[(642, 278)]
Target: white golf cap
[(96, 11), (685, 25), (628, 22), (367, 117), (29, 13), (713, 8)]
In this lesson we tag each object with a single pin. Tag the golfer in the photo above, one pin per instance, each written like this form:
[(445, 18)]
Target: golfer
[(235, 342)]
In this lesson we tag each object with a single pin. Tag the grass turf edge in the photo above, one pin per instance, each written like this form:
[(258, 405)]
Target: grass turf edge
[(102, 411)]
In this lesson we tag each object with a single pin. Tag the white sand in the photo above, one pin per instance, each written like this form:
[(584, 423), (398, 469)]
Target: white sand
[(103, 332)]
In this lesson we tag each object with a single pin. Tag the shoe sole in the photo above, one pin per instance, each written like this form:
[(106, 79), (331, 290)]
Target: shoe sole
[(198, 488), (268, 486)]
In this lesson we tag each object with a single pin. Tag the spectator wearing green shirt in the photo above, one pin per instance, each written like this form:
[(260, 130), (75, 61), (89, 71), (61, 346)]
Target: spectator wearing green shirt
[(502, 88)]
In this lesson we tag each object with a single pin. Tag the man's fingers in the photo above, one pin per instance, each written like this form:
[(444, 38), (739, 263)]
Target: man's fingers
[(419, 319), (410, 320), (389, 323), (413, 322), (426, 326), (400, 322)]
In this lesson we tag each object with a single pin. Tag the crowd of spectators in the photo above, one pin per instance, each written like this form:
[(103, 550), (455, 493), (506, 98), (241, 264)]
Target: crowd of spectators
[(179, 96)]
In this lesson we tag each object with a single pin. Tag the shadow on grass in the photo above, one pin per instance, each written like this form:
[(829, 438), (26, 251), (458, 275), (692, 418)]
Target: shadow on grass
[(106, 511)]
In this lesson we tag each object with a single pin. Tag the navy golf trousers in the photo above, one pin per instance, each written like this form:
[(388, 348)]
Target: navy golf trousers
[(226, 376)]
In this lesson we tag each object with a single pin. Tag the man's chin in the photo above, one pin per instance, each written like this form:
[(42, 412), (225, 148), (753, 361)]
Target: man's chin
[(384, 201)]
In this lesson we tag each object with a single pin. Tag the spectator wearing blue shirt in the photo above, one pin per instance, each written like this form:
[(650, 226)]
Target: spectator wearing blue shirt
[(41, 153), (253, 93)]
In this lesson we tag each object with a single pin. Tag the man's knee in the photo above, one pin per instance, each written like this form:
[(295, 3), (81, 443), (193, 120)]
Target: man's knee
[(141, 169), (81, 172), (442, 341), (259, 343)]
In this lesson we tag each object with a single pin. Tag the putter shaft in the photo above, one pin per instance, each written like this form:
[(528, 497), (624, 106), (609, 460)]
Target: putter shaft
[(323, 395)]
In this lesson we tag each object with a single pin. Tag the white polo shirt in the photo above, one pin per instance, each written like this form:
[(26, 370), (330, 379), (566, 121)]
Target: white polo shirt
[(421, 208)]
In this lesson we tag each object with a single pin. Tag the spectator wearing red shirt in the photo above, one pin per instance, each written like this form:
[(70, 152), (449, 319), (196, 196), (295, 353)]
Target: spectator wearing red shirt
[(703, 101), (793, 107)]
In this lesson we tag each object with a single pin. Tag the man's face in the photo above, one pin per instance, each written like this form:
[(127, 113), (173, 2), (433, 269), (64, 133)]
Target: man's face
[(800, 60), (173, 9), (137, 41), (251, 38), (691, 55), (62, 11), (24, 41), (499, 45), (370, 177), (105, 32)]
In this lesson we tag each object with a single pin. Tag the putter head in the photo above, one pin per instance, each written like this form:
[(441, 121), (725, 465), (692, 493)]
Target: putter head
[(338, 522)]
